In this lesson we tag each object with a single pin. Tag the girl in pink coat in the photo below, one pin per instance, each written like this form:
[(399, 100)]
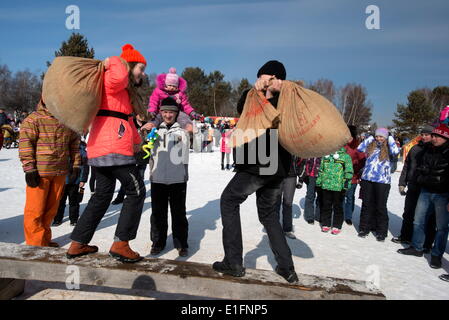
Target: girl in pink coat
[(113, 141), (172, 85), (225, 149)]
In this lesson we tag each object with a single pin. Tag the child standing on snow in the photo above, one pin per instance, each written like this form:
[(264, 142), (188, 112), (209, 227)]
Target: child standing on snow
[(174, 86), (334, 178), (49, 152), (376, 181)]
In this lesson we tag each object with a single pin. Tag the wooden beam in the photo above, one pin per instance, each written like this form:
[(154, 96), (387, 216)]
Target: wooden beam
[(50, 264)]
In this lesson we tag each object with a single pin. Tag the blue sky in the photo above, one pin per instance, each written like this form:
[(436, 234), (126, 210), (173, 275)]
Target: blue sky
[(313, 38)]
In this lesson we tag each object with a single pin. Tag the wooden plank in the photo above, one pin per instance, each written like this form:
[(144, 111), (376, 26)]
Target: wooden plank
[(50, 264)]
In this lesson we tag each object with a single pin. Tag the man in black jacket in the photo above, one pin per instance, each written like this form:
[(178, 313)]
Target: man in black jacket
[(252, 177), (433, 178), (408, 179)]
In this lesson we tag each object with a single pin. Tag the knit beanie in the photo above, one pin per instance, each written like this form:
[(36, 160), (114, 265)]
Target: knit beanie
[(273, 67), (427, 129), (169, 104), (130, 54), (442, 131), (383, 132), (172, 79)]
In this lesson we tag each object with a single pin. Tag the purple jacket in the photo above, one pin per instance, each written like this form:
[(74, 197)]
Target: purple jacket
[(160, 94)]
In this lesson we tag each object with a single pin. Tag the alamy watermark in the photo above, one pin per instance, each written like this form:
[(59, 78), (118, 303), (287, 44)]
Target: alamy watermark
[(72, 22), (372, 22), (72, 281)]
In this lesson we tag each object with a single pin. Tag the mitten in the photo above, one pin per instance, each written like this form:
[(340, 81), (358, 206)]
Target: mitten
[(32, 179)]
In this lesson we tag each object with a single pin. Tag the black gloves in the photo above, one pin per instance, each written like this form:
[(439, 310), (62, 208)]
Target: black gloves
[(74, 173), (32, 179)]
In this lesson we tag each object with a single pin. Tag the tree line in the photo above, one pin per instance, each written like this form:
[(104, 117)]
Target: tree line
[(212, 95)]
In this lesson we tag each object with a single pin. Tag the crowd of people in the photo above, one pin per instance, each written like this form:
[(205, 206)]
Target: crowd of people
[(57, 163)]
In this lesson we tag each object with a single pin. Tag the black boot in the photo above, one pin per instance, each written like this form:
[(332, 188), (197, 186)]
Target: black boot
[(400, 240), (410, 251), (234, 270), (435, 262), (222, 166), (289, 275), (228, 167)]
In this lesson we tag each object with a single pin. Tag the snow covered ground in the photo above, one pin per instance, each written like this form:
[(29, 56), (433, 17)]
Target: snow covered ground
[(314, 252)]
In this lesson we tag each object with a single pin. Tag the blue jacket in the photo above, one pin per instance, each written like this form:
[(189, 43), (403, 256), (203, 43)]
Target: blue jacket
[(376, 170)]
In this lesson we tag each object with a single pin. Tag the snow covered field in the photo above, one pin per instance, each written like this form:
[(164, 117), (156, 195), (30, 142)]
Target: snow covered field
[(314, 252)]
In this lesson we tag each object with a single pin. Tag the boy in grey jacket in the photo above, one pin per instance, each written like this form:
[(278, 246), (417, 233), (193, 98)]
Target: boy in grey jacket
[(169, 175)]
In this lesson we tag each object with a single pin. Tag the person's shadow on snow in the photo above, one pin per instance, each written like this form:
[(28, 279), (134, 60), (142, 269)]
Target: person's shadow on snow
[(297, 247)]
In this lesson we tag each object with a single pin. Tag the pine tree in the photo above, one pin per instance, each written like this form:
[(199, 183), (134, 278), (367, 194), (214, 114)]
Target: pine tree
[(75, 46), (417, 112)]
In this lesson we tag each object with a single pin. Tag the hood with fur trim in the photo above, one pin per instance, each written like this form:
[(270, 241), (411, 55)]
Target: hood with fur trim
[(160, 81)]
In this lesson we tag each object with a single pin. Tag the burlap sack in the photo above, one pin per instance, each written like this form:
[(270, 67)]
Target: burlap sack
[(257, 116), (72, 90), (309, 124)]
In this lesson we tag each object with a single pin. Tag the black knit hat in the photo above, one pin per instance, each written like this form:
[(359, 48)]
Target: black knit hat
[(273, 67), (169, 104)]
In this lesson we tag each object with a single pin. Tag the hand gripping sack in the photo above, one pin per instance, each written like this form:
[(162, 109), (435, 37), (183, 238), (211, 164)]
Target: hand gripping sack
[(309, 125), (258, 115), (72, 91)]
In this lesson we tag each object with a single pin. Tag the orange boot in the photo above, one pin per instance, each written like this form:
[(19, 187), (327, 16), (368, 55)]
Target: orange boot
[(78, 249), (121, 251)]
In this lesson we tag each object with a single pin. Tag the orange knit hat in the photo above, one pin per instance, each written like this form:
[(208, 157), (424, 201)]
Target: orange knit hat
[(131, 55)]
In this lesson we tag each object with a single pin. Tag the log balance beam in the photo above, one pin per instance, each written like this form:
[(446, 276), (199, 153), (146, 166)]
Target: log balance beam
[(171, 276)]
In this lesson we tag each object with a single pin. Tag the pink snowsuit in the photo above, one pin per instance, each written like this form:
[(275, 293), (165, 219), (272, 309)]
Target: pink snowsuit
[(160, 94)]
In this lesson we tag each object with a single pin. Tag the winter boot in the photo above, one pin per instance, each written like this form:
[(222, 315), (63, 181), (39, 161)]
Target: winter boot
[(224, 267), (228, 167), (435, 262), (53, 244), (289, 275), (410, 251), (121, 251), (78, 249), (222, 166)]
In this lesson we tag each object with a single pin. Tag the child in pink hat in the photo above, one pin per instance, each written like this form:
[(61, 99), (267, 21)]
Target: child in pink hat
[(174, 86)]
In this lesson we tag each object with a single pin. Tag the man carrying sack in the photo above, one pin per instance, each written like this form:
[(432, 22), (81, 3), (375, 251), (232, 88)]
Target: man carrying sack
[(251, 177), (47, 149)]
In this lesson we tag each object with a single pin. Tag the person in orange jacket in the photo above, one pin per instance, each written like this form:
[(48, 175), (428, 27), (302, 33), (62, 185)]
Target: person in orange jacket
[(47, 150), (113, 141)]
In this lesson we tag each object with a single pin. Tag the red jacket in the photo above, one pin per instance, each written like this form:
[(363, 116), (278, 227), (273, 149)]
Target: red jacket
[(358, 160), (110, 135)]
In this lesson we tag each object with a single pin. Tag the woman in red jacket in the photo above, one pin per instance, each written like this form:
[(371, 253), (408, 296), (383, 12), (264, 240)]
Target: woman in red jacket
[(112, 143)]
